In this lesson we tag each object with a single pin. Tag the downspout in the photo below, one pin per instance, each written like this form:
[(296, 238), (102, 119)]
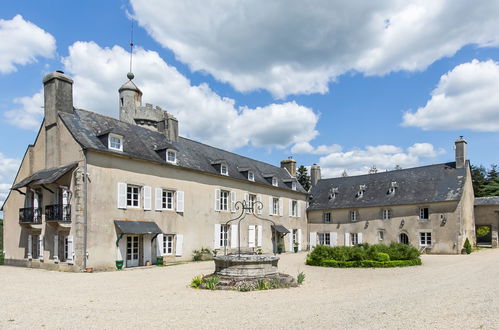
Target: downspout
[(85, 206)]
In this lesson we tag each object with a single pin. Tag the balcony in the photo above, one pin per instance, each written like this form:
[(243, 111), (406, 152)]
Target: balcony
[(32, 215), (58, 213)]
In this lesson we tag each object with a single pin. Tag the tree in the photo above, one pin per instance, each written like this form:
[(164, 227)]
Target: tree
[(479, 178), (304, 178)]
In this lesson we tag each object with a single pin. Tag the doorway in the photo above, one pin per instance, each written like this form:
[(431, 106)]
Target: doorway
[(132, 251), (403, 238), (484, 235)]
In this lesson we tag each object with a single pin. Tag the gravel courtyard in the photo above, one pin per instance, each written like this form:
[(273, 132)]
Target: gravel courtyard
[(451, 292)]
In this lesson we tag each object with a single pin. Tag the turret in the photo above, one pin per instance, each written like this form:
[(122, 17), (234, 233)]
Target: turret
[(130, 100)]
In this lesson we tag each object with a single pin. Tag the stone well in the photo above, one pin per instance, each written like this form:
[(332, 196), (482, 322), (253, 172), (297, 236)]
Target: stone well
[(246, 265)]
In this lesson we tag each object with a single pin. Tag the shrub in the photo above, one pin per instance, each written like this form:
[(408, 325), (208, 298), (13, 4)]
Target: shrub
[(262, 284), (370, 263), (197, 281), (300, 278), (467, 246), (212, 282), (482, 231), (381, 256)]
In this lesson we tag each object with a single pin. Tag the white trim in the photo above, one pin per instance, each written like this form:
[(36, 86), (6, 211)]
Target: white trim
[(251, 235), (179, 245), (299, 239), (116, 136), (312, 239), (180, 201), (259, 237), (251, 176), (233, 236), (174, 161), (333, 238), (147, 198), (121, 200), (216, 242), (158, 199), (233, 199), (217, 200)]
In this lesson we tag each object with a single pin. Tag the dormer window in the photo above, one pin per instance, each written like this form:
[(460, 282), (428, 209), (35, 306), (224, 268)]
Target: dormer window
[(251, 176), (171, 156), (224, 169), (333, 192), (274, 181), (115, 142), (393, 188), (362, 189), (293, 185)]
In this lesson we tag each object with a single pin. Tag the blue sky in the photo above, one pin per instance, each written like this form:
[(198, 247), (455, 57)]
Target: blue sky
[(346, 86)]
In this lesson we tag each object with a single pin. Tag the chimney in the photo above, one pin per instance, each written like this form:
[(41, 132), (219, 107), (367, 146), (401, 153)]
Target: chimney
[(169, 127), (315, 174), (460, 152), (58, 96), (290, 165)]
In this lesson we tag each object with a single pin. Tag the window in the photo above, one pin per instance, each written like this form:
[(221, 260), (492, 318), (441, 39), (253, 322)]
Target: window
[(171, 156), (115, 142), (423, 213), (326, 217), (294, 208), (224, 229), (381, 235), (354, 239), (403, 238), (132, 196), (425, 239), (275, 206), (168, 244), (293, 185), (66, 248), (251, 201), (224, 170), (324, 239), (251, 176), (224, 200), (387, 214), (167, 200), (295, 236), (274, 181), (353, 216)]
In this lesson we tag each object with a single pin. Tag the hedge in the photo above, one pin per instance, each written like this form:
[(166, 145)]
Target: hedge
[(365, 263)]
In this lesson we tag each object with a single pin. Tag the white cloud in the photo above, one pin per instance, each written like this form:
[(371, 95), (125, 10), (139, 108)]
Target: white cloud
[(8, 169), (203, 114), (290, 47), (21, 42), (465, 98), (307, 148), (383, 157)]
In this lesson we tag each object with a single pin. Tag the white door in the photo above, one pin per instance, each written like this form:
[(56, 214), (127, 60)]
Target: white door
[(132, 251)]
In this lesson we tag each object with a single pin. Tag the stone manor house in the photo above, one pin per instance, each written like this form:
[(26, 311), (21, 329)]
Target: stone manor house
[(94, 189)]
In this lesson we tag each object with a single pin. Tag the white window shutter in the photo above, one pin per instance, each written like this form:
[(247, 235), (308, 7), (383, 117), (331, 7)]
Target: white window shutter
[(251, 236), (313, 240), (180, 201), (216, 241), (158, 199), (246, 200), (359, 238), (298, 207), (217, 199), (290, 208), (259, 200), (147, 198), (233, 199), (333, 238), (259, 241), (40, 247), (30, 247), (179, 245), (159, 244), (347, 239), (233, 236), (299, 239), (56, 247), (291, 243), (271, 206), (70, 250), (281, 207), (121, 195)]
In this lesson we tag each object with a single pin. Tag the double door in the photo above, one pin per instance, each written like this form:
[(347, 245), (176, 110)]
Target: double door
[(132, 251)]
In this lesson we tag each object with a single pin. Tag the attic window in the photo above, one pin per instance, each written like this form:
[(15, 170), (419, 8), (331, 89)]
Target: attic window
[(360, 193), (115, 142), (224, 170), (333, 192), (251, 176), (274, 181), (171, 156), (393, 188), (293, 185)]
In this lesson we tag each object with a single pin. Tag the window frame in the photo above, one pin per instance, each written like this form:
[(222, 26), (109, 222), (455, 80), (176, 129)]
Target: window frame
[(324, 238), (110, 142), (354, 216), (174, 161), (222, 167), (252, 199), (163, 197), (224, 200), (293, 185), (354, 239), (422, 213), (386, 214), (425, 238), (381, 235), (224, 236), (294, 208), (251, 176), (275, 206), (131, 200), (275, 183), (167, 245), (326, 217)]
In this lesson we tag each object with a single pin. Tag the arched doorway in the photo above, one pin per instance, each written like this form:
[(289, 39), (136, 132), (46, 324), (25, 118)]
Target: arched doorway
[(403, 238)]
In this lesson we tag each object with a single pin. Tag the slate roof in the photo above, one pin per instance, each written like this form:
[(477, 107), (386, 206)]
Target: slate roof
[(418, 185), (45, 176), (494, 200), (142, 143)]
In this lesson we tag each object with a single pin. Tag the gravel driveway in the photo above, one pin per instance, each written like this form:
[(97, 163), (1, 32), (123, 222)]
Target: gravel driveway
[(451, 292)]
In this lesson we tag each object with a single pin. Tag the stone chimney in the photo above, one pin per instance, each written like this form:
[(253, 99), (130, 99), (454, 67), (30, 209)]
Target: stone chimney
[(315, 174), (58, 96), (290, 165), (130, 100), (169, 127), (460, 152)]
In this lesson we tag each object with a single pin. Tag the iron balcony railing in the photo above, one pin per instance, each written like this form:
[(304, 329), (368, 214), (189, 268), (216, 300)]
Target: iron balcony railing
[(58, 212), (30, 215)]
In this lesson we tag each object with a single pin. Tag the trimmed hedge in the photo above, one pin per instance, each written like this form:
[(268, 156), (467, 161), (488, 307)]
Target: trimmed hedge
[(364, 255)]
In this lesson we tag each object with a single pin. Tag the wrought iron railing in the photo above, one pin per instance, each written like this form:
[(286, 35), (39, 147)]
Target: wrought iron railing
[(58, 212), (30, 215)]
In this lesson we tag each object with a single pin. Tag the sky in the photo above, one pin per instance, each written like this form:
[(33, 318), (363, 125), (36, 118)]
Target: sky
[(348, 85)]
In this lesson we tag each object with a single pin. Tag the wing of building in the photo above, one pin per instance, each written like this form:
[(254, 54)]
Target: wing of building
[(92, 190)]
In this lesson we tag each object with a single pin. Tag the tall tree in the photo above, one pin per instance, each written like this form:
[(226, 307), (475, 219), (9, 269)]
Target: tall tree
[(303, 177), (479, 178)]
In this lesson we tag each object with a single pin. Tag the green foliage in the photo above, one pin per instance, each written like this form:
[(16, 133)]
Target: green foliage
[(485, 181), (262, 284), (197, 281), (300, 278), (212, 282), (303, 177), (368, 263), (381, 256), (482, 231), (467, 246)]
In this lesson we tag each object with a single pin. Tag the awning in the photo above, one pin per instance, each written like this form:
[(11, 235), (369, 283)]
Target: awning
[(137, 227), (46, 176), (280, 229)]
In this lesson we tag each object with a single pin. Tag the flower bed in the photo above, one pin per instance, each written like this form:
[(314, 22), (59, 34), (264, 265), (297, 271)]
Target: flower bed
[(364, 255)]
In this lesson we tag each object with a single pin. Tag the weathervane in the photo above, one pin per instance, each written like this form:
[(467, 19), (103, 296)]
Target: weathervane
[(130, 75)]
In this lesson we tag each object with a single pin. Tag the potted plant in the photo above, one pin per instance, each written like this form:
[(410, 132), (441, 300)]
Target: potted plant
[(295, 247), (280, 247), (467, 246), (119, 264), (159, 261)]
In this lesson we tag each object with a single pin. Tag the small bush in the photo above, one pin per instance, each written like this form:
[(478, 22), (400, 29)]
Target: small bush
[(381, 256), (197, 281), (212, 282), (300, 278), (370, 263), (467, 246), (262, 284)]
